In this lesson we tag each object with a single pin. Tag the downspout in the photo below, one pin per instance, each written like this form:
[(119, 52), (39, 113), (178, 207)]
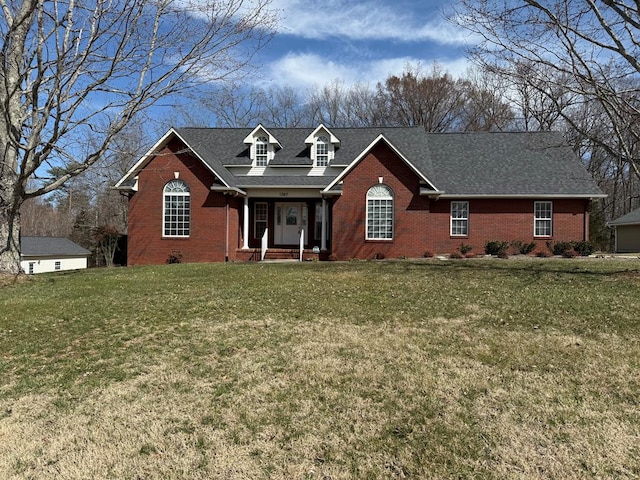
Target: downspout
[(585, 222), (226, 235)]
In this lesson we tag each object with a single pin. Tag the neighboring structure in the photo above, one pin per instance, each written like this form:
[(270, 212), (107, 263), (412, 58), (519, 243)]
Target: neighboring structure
[(627, 232), (208, 194), (51, 254)]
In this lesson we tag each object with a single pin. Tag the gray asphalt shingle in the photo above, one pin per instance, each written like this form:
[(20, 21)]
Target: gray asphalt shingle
[(630, 218), (498, 164), (50, 246)]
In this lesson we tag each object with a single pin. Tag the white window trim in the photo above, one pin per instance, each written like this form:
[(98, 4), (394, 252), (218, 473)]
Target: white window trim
[(255, 218), (393, 206), (329, 153), (261, 140), (164, 208), (546, 219), (451, 219)]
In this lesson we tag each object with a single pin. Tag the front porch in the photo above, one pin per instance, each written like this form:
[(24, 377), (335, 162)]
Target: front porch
[(283, 225)]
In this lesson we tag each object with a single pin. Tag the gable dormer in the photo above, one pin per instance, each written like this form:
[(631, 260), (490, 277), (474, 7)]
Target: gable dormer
[(323, 145), (262, 146)]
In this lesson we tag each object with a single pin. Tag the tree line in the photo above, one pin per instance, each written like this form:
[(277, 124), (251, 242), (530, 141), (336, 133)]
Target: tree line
[(567, 65)]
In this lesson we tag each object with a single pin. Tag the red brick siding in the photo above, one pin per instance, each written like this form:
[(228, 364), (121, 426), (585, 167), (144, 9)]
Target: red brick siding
[(423, 225), (206, 242), (349, 210)]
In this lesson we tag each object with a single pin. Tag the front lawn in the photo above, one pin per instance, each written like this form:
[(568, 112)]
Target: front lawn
[(399, 369)]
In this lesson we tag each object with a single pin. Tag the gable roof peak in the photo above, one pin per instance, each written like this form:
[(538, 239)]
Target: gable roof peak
[(249, 139), (316, 133)]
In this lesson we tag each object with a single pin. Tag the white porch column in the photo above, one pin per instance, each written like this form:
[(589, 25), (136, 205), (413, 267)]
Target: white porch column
[(323, 241), (245, 224)]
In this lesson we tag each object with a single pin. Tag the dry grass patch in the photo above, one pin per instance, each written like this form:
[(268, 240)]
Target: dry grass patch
[(398, 370)]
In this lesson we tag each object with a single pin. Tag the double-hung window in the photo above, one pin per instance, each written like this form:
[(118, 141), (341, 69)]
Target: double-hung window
[(459, 219), (260, 219), (379, 213), (261, 151), (543, 219), (322, 151), (177, 209)]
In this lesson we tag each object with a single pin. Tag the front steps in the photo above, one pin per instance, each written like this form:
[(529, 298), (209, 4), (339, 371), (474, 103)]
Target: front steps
[(293, 254)]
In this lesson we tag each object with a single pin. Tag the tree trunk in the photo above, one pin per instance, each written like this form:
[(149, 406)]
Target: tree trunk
[(9, 238)]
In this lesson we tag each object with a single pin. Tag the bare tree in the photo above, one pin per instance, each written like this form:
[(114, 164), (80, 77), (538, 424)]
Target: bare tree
[(486, 107), (434, 101), (588, 50), (74, 73)]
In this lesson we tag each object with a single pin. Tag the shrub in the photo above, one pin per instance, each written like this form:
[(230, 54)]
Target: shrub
[(428, 254), (455, 255), (495, 247), (174, 257), (503, 254), (379, 256), (470, 255), (584, 248), (569, 253), (543, 254), (560, 248), (464, 248), (523, 248)]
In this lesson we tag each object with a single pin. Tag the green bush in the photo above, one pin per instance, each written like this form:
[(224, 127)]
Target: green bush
[(584, 248), (464, 248), (560, 248), (496, 247), (523, 248)]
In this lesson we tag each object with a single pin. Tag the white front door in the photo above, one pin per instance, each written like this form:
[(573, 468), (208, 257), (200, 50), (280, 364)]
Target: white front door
[(291, 219)]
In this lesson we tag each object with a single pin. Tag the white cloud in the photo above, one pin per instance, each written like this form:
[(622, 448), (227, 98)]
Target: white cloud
[(369, 20), (304, 70)]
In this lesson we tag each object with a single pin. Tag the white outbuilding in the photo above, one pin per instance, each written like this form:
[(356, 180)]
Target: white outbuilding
[(51, 254)]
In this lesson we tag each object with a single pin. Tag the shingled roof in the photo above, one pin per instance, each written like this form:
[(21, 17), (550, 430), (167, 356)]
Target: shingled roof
[(507, 164), (631, 218), (523, 164), (51, 247)]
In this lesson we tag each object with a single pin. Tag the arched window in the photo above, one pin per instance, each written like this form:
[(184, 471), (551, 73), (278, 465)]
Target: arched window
[(262, 148), (379, 213), (322, 151), (177, 209)]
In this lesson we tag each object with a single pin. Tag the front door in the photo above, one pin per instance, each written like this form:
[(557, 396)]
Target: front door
[(291, 219)]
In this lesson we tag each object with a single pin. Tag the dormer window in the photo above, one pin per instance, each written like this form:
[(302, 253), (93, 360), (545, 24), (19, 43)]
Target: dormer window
[(262, 146), (261, 151), (322, 151), (323, 146)]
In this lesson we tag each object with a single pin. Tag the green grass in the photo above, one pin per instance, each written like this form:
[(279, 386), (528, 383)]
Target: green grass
[(427, 369)]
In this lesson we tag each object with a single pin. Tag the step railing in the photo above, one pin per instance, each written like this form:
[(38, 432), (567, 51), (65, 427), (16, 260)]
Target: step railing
[(264, 243), (301, 242)]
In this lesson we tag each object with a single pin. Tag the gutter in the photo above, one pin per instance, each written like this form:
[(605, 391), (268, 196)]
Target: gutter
[(228, 190)]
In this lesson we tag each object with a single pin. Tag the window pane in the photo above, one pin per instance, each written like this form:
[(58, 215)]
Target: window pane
[(260, 219), (177, 209), (459, 218), (543, 219)]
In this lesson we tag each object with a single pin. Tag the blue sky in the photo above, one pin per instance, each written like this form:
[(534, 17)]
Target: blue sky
[(358, 41)]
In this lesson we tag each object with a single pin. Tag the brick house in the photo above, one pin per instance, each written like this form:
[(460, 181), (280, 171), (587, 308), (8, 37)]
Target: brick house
[(227, 194)]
